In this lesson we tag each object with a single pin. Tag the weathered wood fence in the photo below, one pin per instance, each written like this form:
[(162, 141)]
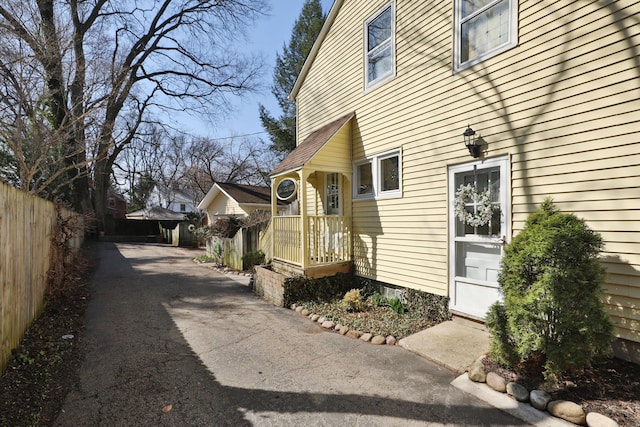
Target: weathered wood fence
[(27, 227)]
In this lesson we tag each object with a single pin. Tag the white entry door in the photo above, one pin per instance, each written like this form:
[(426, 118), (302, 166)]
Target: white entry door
[(477, 247)]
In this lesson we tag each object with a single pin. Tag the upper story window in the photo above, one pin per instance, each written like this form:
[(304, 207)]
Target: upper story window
[(379, 176), (379, 47), (183, 207), (483, 28)]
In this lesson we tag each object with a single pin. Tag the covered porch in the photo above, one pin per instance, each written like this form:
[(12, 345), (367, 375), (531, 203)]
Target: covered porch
[(314, 237)]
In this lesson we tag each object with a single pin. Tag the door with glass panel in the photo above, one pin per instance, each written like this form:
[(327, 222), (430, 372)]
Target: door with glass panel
[(478, 227)]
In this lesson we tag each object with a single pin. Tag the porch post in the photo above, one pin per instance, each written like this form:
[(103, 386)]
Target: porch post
[(304, 223), (274, 213)]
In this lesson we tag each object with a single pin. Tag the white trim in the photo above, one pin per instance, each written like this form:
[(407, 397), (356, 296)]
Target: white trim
[(376, 176), (331, 17), (513, 34), (504, 163), (370, 85)]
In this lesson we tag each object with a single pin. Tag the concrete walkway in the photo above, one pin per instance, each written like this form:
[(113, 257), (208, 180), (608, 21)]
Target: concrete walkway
[(455, 344), (169, 342)]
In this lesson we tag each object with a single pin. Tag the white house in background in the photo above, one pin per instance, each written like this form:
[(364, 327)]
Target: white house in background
[(176, 200)]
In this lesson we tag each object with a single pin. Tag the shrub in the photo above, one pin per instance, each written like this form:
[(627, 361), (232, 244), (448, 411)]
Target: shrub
[(323, 289), (396, 305), (379, 300), (551, 281), (354, 301), (251, 259), (226, 227)]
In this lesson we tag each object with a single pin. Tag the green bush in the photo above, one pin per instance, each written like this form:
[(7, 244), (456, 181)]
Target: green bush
[(379, 300), (324, 289), (251, 259), (551, 282), (396, 305)]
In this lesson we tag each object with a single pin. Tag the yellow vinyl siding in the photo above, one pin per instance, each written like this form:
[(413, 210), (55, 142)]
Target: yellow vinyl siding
[(563, 105), (223, 205)]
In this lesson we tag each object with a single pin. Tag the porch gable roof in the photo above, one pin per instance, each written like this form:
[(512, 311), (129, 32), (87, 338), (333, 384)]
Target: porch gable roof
[(304, 152)]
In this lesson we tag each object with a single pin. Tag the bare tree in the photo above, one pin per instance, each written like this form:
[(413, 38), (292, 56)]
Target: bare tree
[(96, 71)]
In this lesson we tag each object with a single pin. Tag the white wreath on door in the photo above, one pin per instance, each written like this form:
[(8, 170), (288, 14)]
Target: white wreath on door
[(484, 208)]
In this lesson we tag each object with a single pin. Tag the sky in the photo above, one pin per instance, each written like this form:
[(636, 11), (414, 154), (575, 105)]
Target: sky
[(269, 35)]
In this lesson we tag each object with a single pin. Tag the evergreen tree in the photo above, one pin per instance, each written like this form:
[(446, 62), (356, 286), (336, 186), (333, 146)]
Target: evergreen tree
[(288, 65), (140, 192)]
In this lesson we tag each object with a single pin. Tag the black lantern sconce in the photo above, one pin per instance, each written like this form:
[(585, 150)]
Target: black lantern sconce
[(472, 143)]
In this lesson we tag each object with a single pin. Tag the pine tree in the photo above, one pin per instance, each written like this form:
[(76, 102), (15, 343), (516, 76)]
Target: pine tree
[(288, 65)]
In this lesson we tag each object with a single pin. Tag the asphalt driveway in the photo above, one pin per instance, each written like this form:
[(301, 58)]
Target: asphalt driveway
[(173, 343)]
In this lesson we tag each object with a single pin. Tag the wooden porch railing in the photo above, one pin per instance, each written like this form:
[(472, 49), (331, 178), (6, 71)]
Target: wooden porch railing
[(287, 238), (265, 242), (328, 239)]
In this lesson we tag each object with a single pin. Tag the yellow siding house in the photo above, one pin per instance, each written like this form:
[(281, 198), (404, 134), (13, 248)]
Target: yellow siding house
[(551, 90)]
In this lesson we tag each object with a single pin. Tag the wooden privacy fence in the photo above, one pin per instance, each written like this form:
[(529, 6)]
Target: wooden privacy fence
[(27, 227)]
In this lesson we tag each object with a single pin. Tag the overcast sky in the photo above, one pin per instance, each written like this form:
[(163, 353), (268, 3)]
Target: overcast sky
[(267, 38)]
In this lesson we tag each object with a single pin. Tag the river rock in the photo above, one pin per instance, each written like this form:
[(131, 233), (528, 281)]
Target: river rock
[(595, 419), (391, 340), (496, 382), (305, 312), (299, 308), (344, 330), (366, 337), (539, 399), (568, 411), (518, 391), (378, 340), (477, 373), (328, 324), (314, 317), (352, 333)]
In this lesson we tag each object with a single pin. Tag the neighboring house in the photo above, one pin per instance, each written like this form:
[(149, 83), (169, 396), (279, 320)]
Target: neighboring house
[(239, 200), (174, 199), (552, 91), (156, 213), (116, 205), (227, 199)]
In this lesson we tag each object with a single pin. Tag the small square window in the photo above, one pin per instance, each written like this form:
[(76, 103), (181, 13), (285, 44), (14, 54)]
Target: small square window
[(183, 207), (379, 47)]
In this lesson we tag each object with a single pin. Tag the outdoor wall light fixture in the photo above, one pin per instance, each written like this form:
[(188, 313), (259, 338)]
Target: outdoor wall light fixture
[(471, 142)]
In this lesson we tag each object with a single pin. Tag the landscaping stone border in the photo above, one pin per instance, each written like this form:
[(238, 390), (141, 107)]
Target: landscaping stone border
[(539, 399), (344, 330)]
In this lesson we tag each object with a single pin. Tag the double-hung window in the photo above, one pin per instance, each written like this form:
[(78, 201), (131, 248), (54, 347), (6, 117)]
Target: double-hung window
[(483, 28), (379, 176), (379, 61)]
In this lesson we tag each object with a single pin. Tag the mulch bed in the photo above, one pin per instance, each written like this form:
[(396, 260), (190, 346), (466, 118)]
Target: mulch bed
[(611, 388), (45, 366)]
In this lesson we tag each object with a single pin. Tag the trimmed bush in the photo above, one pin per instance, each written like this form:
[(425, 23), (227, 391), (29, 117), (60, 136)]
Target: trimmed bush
[(551, 282), (323, 289), (251, 259)]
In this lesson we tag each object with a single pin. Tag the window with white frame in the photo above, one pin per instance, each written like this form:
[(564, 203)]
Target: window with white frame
[(379, 176), (379, 47), (483, 28)]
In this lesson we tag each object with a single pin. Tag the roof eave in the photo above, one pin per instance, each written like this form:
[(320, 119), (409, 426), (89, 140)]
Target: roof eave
[(337, 4), (211, 194)]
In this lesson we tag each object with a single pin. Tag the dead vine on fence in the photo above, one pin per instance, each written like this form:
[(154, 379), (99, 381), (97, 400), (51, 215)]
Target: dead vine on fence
[(66, 262)]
